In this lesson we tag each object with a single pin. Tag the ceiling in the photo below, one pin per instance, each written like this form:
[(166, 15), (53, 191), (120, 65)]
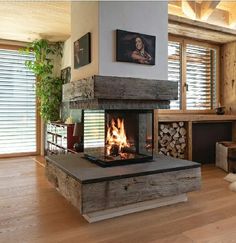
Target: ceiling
[(29, 20), (221, 13)]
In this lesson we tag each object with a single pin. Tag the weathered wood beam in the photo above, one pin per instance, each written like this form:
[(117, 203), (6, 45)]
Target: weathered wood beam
[(232, 19), (207, 8), (189, 8), (200, 30)]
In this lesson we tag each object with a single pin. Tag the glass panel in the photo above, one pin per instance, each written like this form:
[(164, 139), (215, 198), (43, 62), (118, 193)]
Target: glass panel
[(114, 136), (174, 70), (200, 77), (17, 104), (94, 128)]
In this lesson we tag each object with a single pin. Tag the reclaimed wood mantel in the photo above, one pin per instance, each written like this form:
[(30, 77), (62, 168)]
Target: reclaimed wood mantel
[(101, 193), (108, 92)]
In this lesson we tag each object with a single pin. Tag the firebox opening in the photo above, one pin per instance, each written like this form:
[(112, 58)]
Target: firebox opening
[(128, 137)]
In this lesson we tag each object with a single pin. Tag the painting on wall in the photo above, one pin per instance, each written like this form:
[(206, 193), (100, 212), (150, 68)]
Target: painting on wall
[(66, 75), (135, 47), (82, 51)]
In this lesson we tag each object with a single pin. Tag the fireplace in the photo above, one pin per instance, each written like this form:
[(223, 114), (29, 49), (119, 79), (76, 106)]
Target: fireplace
[(118, 114), (118, 137)]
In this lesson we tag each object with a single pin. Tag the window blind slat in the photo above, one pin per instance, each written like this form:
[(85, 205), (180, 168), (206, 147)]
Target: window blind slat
[(199, 77), (17, 103), (94, 128), (174, 70)]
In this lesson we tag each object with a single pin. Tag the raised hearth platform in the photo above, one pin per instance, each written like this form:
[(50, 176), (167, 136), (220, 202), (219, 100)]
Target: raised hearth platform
[(101, 193)]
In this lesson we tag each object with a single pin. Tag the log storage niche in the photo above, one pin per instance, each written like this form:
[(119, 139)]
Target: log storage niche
[(172, 139)]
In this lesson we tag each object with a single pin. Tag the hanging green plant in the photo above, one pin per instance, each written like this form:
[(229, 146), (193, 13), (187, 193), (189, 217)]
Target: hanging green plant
[(48, 84)]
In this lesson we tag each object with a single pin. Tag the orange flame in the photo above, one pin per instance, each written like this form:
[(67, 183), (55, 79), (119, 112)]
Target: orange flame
[(116, 136)]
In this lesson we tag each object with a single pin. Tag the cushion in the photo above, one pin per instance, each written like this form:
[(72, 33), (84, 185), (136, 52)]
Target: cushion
[(230, 177)]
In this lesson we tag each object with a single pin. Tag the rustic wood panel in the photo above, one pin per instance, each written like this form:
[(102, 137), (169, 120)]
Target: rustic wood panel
[(228, 59), (195, 117), (121, 88), (108, 194), (119, 104), (37, 19), (133, 208), (200, 30), (78, 90), (107, 87), (111, 194), (68, 186)]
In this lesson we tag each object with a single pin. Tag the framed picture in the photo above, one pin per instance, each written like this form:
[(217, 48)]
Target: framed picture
[(66, 75), (135, 47), (82, 51)]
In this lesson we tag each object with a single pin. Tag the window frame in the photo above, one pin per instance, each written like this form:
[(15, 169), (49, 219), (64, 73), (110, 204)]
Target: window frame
[(38, 141), (183, 102)]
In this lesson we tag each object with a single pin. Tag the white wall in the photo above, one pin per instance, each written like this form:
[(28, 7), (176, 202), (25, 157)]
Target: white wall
[(84, 19), (142, 17), (66, 56)]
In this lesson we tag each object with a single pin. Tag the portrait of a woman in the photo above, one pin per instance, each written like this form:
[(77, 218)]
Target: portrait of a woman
[(135, 47), (140, 53)]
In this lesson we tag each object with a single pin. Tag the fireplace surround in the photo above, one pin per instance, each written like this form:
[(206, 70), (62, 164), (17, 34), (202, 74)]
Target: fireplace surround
[(107, 100)]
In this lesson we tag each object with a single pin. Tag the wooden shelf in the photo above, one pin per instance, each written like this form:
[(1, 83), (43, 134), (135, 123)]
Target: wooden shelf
[(61, 140), (191, 119), (195, 117)]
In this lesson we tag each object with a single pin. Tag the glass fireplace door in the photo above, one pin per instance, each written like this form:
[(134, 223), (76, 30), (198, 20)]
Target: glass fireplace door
[(118, 136)]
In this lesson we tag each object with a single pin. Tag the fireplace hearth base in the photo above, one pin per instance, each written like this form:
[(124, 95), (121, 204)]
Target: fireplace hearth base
[(106, 162), (101, 193), (134, 208)]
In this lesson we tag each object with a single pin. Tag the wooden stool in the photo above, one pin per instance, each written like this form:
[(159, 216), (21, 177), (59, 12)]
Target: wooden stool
[(226, 156), (232, 161)]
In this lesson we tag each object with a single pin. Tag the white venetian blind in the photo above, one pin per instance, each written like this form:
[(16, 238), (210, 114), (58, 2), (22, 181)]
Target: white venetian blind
[(17, 104), (200, 77), (174, 70), (94, 128)]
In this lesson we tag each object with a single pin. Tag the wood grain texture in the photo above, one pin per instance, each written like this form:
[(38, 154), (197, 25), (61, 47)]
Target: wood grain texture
[(134, 208), (27, 21), (107, 87), (195, 117), (119, 104), (199, 30), (68, 186), (116, 193), (79, 90), (120, 88), (228, 60), (33, 211), (105, 195)]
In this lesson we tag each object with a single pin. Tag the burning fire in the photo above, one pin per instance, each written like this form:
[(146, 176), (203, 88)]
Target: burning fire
[(116, 138)]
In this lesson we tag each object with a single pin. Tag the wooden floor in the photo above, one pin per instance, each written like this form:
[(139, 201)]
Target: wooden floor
[(31, 210)]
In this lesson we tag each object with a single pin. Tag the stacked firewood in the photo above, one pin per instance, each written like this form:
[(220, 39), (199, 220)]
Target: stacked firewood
[(172, 139)]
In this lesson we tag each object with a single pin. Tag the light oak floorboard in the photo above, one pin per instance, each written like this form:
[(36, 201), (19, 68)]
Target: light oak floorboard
[(31, 210)]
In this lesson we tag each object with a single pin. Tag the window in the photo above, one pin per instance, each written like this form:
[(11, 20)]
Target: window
[(94, 128), (194, 65), (17, 104)]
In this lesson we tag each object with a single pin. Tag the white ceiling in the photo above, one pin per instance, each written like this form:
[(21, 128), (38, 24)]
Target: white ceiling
[(29, 20)]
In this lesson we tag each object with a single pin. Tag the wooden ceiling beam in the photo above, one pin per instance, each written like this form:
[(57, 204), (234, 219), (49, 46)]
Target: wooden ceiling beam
[(207, 8), (232, 19), (200, 30), (189, 8)]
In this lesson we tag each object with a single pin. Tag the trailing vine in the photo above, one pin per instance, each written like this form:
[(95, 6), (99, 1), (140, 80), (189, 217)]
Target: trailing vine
[(48, 84)]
